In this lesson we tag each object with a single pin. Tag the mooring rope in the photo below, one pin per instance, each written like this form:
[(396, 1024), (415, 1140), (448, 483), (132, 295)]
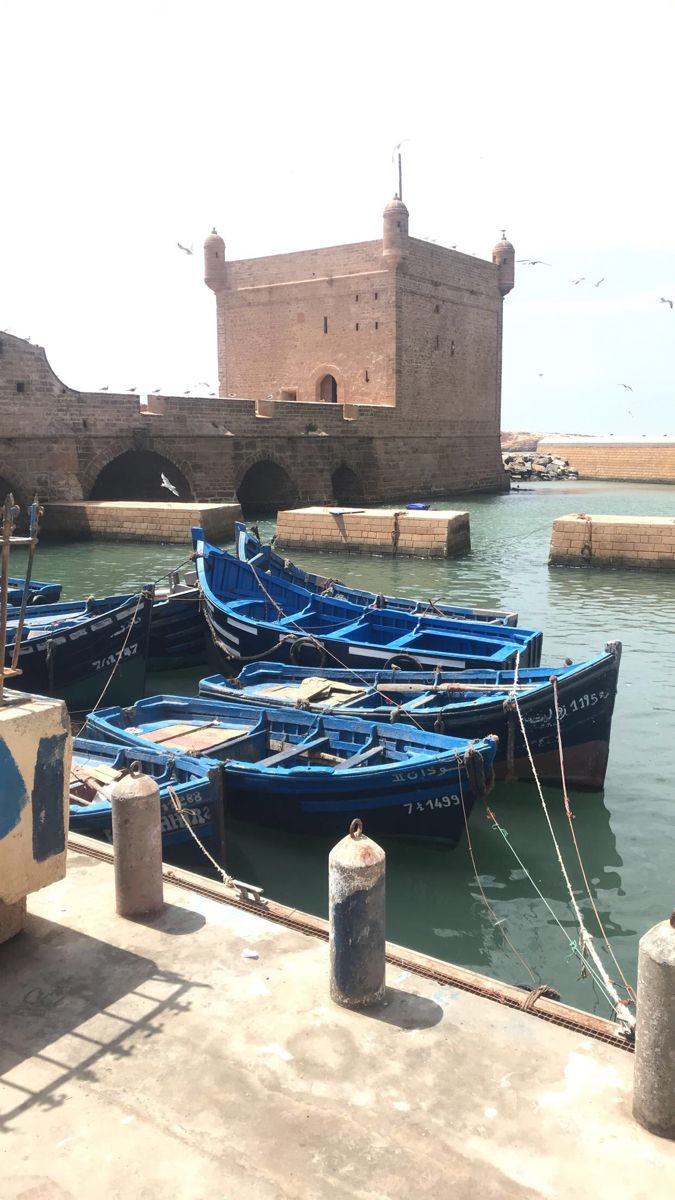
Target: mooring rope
[(497, 921), (585, 938), (570, 820)]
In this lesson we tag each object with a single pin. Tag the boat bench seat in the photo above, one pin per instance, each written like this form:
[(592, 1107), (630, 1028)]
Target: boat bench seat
[(293, 752), (361, 757)]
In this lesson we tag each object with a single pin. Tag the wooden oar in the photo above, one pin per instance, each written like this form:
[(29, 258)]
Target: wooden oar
[(453, 687)]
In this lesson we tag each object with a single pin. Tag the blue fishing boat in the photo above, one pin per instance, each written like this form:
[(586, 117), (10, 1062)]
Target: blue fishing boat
[(249, 548), (470, 704), (38, 593), (178, 633), (250, 616), (313, 774), (74, 651), (97, 765)]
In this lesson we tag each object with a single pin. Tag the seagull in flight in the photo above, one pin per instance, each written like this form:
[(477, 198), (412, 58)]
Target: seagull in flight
[(534, 262), (665, 300), (166, 483), (155, 392), (599, 282), (104, 389), (579, 280), (186, 249), (627, 387), (132, 389)]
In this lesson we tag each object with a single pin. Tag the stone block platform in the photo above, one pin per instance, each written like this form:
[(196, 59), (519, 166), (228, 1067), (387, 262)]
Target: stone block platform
[(439, 533), (197, 1054), (582, 540), (138, 520)]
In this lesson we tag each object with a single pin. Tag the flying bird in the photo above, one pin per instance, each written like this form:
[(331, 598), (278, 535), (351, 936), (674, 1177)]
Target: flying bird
[(599, 282), (629, 412), (166, 483), (579, 280), (132, 389), (104, 389), (185, 249), (534, 262), (626, 386), (155, 392), (665, 300), (188, 393)]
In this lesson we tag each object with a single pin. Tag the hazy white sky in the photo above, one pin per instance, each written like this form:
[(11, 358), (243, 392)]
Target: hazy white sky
[(130, 126)]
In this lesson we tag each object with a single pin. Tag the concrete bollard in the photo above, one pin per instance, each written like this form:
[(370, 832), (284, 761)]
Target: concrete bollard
[(654, 1077), (356, 902), (137, 844)]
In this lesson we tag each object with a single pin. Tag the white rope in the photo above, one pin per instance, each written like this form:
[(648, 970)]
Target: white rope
[(585, 938)]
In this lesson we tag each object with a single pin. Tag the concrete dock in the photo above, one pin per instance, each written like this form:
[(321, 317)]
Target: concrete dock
[(198, 1054)]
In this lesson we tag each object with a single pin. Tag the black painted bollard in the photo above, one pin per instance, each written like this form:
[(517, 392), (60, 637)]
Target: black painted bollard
[(356, 901)]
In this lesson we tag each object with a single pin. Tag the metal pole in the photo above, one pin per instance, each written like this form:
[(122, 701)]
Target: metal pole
[(400, 177), (36, 512), (9, 515)]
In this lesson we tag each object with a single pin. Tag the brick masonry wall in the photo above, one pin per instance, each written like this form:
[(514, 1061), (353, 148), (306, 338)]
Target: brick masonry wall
[(121, 521), (375, 531), (646, 543), (640, 462)]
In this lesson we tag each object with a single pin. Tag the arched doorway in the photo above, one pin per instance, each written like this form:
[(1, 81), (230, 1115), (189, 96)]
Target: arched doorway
[(328, 390), (139, 475), (347, 487), (265, 488)]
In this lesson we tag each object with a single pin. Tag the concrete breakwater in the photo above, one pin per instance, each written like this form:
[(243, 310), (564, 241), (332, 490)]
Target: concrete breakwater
[(580, 540), (530, 465)]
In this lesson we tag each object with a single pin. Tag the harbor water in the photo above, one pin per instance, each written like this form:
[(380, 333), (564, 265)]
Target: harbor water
[(436, 899)]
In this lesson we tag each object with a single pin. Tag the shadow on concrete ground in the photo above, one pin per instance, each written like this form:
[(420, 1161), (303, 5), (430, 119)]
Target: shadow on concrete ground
[(93, 1002), (406, 1010)]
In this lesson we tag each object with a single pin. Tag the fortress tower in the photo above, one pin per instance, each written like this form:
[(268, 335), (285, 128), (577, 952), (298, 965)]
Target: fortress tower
[(397, 323)]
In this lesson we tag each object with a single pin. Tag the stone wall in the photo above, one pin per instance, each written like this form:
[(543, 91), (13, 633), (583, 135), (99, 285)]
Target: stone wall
[(57, 441), (580, 540), (643, 460), (135, 521), (434, 534)]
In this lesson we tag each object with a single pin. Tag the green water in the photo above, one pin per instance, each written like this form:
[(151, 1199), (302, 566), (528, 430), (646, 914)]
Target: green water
[(626, 836)]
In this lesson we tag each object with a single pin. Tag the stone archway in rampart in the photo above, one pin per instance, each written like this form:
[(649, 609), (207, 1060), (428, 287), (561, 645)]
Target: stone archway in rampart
[(265, 485), (137, 474), (9, 483)]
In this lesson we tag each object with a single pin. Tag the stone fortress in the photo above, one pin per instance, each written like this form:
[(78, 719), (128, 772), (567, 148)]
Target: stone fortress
[(348, 374)]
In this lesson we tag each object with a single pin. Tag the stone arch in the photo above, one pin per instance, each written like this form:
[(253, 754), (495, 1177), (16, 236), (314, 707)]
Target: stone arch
[(347, 486), (265, 487), (9, 483), (137, 475), (327, 385)]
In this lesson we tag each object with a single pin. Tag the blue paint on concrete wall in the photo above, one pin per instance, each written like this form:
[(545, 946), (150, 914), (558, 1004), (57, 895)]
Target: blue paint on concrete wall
[(13, 794), (49, 835)]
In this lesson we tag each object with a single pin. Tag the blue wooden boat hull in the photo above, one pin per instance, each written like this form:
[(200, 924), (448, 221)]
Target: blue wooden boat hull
[(253, 618), (424, 785), (250, 549), (178, 633), (70, 655), (586, 695), (196, 782), (38, 593)]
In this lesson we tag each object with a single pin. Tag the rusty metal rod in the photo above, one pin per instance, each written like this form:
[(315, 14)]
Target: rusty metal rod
[(36, 512)]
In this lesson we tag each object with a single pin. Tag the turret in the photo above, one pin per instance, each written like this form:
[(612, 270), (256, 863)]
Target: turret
[(395, 232), (504, 258), (214, 262)]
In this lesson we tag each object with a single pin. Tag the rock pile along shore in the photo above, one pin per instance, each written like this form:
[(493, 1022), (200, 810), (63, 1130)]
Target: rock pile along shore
[(537, 466)]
